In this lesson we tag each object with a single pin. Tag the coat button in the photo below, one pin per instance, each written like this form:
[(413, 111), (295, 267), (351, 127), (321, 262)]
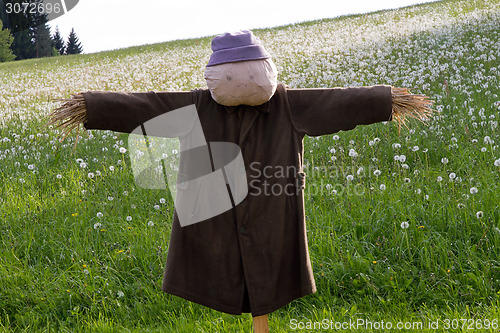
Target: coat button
[(243, 230)]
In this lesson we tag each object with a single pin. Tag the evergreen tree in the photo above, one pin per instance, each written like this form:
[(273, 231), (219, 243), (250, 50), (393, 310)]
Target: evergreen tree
[(5, 43), (74, 46), (30, 31), (41, 34), (58, 41), (3, 15), (19, 25)]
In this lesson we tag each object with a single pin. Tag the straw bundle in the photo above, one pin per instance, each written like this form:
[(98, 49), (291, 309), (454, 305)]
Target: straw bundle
[(73, 113), (70, 115), (407, 105)]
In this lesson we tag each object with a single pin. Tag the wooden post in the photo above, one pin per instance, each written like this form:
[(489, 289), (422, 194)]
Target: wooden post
[(260, 324)]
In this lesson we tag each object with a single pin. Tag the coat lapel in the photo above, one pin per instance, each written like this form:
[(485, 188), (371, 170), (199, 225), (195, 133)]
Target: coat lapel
[(250, 113), (249, 116)]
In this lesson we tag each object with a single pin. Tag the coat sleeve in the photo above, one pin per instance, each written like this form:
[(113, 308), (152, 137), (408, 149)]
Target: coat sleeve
[(326, 111), (123, 112)]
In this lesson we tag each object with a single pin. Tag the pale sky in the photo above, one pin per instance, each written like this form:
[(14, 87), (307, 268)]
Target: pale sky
[(112, 24)]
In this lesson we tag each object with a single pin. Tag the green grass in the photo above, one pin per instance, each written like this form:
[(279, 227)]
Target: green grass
[(63, 268)]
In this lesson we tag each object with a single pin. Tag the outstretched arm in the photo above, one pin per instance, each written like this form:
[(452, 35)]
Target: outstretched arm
[(117, 111), (326, 111), (123, 112)]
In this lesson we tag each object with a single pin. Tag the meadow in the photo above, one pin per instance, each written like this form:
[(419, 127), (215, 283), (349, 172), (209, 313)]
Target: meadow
[(403, 226)]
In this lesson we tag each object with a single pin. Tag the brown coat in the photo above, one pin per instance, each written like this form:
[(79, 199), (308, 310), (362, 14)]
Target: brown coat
[(254, 257)]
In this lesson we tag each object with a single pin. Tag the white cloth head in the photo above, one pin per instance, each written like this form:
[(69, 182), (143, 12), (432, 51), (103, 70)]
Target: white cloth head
[(250, 82)]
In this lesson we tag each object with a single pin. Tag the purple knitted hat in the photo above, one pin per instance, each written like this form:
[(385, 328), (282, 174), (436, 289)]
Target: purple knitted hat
[(236, 46)]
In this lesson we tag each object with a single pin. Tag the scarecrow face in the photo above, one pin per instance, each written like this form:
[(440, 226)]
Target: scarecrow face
[(242, 83)]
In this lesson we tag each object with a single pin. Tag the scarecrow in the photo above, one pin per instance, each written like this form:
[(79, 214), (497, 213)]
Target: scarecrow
[(253, 257)]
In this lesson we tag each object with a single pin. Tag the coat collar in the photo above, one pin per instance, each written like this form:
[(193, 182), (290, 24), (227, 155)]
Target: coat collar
[(265, 108)]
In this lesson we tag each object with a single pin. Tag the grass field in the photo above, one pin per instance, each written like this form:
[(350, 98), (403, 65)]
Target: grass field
[(401, 227)]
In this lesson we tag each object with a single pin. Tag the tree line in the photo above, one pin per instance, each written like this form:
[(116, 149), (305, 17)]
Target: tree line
[(26, 35)]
